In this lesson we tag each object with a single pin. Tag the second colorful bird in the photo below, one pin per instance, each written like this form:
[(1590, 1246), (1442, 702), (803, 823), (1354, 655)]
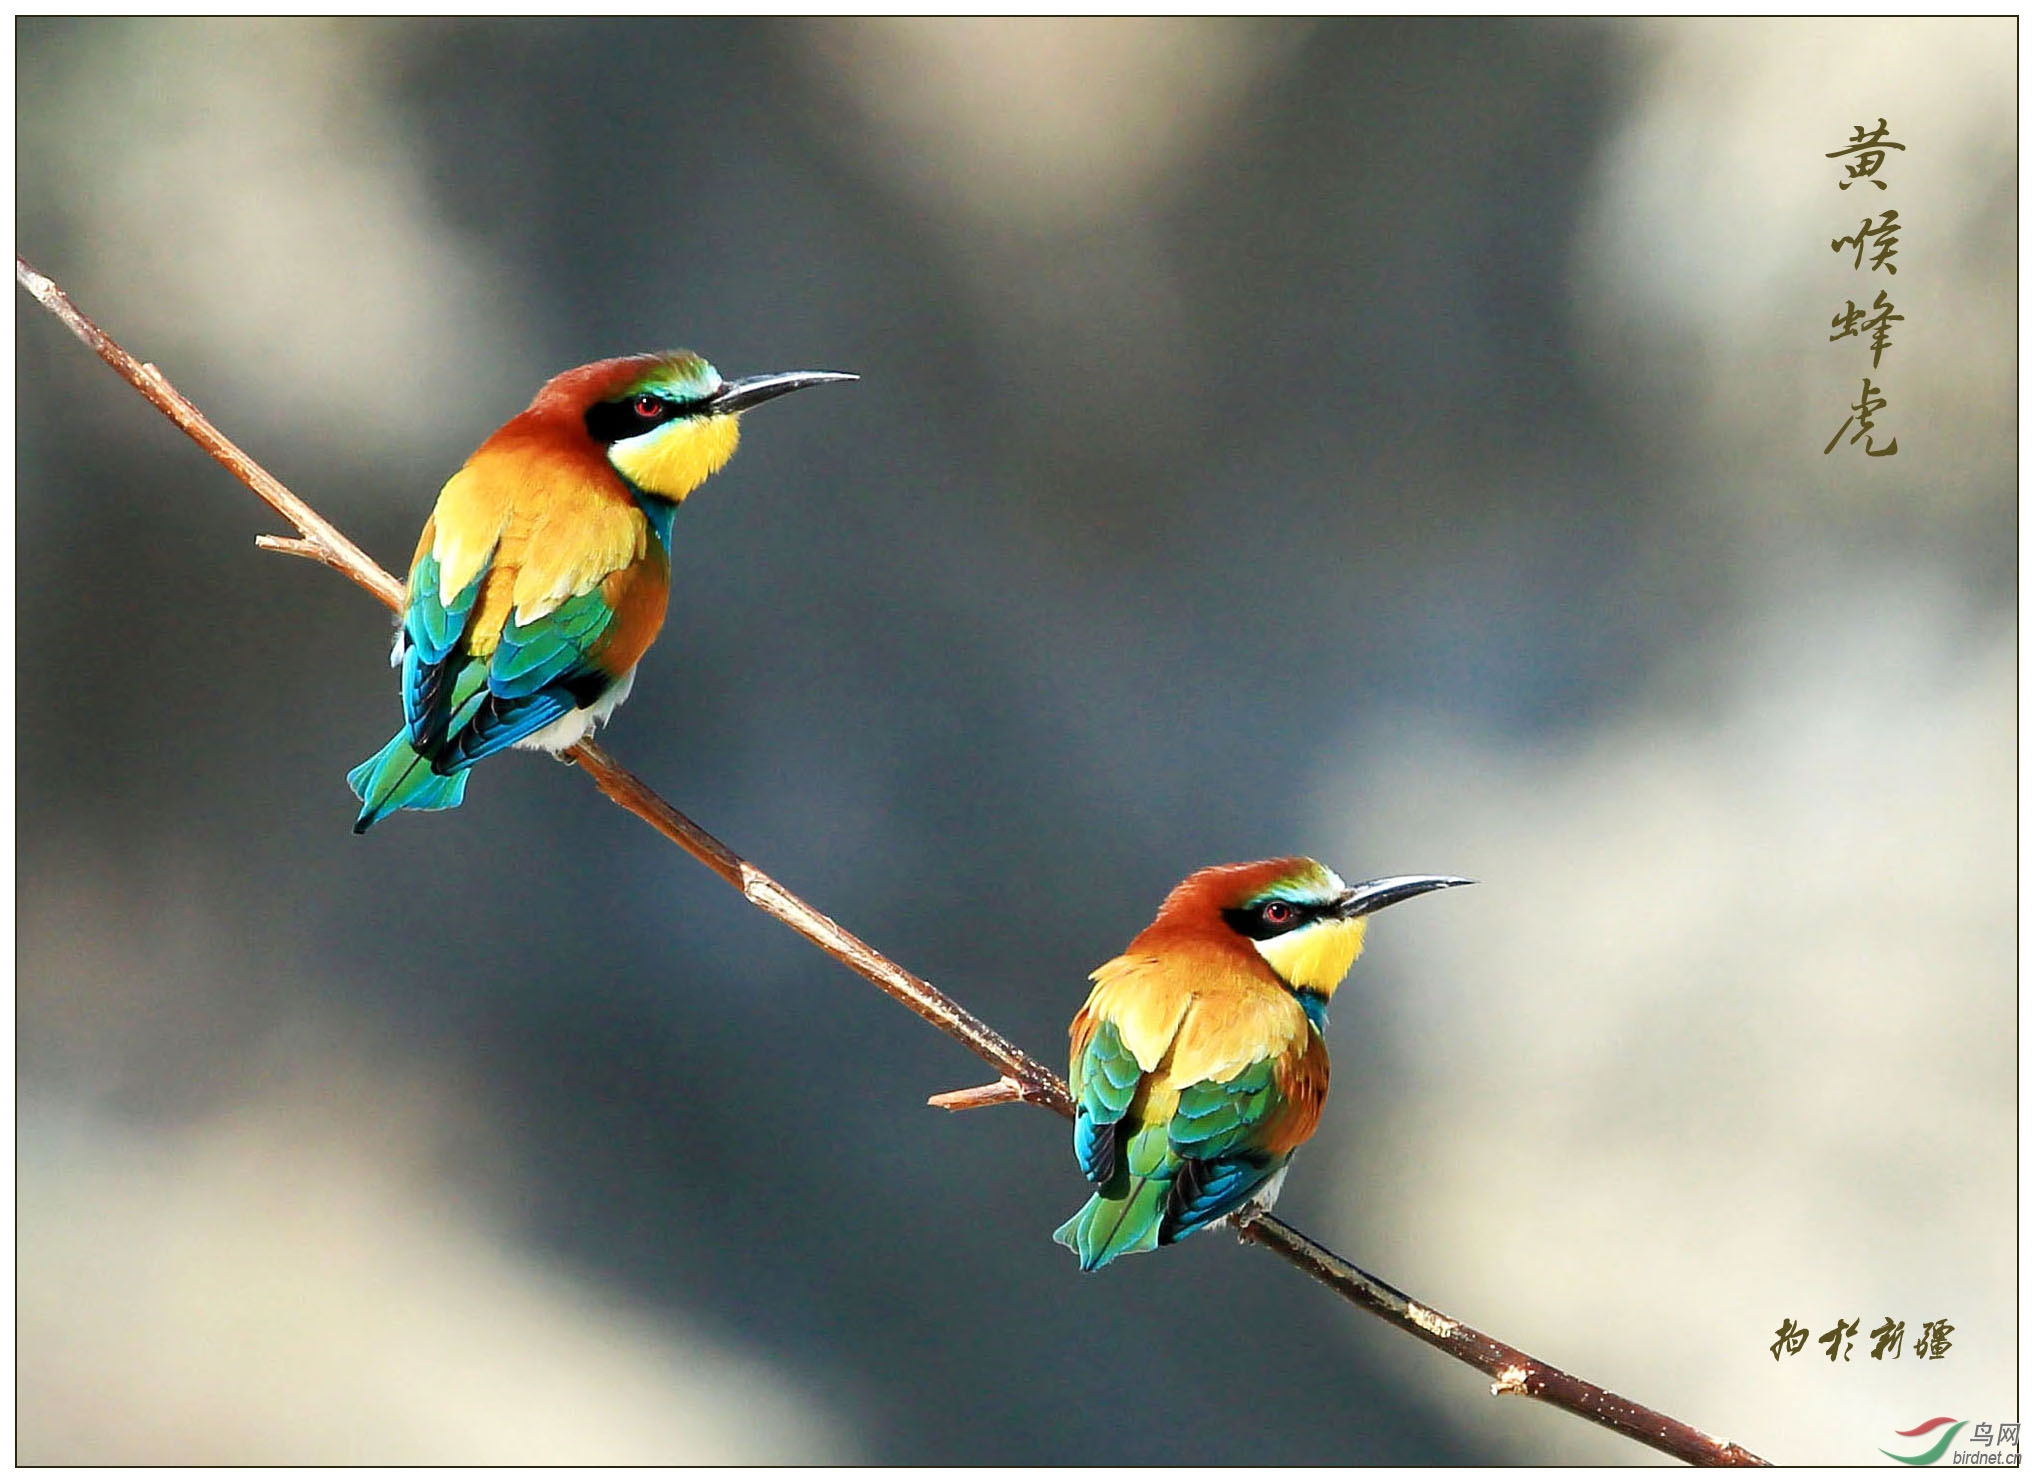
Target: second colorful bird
[(1198, 1064)]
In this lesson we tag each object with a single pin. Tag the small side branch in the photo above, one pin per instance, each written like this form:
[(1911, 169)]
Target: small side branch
[(1002, 1089), (311, 551), (1023, 1078)]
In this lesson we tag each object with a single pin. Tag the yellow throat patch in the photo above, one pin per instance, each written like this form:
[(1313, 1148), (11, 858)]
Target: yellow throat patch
[(1317, 957), (679, 456)]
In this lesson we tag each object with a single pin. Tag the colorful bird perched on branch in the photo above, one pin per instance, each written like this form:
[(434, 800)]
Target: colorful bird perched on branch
[(542, 574), (1198, 1065)]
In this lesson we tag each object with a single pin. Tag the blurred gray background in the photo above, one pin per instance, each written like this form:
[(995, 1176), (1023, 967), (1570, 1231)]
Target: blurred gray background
[(1394, 441)]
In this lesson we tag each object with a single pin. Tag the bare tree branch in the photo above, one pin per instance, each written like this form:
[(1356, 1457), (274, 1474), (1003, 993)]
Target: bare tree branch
[(332, 548), (1024, 1079), (1513, 1371)]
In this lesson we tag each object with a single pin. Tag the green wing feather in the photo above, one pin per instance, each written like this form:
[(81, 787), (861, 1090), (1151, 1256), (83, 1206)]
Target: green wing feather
[(1214, 1118), (1213, 1132), (1104, 1084)]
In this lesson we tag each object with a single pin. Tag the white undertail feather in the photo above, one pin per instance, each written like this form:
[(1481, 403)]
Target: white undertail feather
[(575, 726), (1267, 1195), (1261, 1201)]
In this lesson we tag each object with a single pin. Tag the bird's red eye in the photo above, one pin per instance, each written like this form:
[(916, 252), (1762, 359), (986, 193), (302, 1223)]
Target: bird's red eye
[(648, 406), (1277, 913)]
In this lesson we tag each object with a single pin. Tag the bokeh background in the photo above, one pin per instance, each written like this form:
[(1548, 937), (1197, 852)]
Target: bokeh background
[(1394, 441)]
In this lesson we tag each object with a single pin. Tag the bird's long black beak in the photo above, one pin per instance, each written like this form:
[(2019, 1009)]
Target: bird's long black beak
[(752, 391), (1365, 897)]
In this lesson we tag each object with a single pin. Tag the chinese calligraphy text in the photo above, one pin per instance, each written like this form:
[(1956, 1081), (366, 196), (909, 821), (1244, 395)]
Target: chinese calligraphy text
[(1864, 156), (1932, 1342), (1870, 151)]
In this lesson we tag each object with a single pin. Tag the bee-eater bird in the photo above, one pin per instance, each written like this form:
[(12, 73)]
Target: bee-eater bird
[(542, 574), (1198, 1064)]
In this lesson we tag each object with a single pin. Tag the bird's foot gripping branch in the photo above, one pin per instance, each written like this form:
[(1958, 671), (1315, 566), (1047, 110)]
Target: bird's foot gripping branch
[(1022, 1078)]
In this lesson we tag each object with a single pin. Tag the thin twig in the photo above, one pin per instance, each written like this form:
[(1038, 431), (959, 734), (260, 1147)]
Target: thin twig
[(1024, 1079), (995, 1094)]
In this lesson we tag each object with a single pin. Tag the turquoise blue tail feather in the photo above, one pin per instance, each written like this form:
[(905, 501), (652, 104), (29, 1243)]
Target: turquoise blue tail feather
[(1127, 1214), (396, 777)]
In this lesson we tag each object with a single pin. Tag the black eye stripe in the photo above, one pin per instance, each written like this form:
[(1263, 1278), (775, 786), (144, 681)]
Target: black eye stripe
[(1249, 920), (610, 422)]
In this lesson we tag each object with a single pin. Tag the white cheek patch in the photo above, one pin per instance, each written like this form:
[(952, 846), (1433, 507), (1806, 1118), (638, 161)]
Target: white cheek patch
[(640, 442)]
